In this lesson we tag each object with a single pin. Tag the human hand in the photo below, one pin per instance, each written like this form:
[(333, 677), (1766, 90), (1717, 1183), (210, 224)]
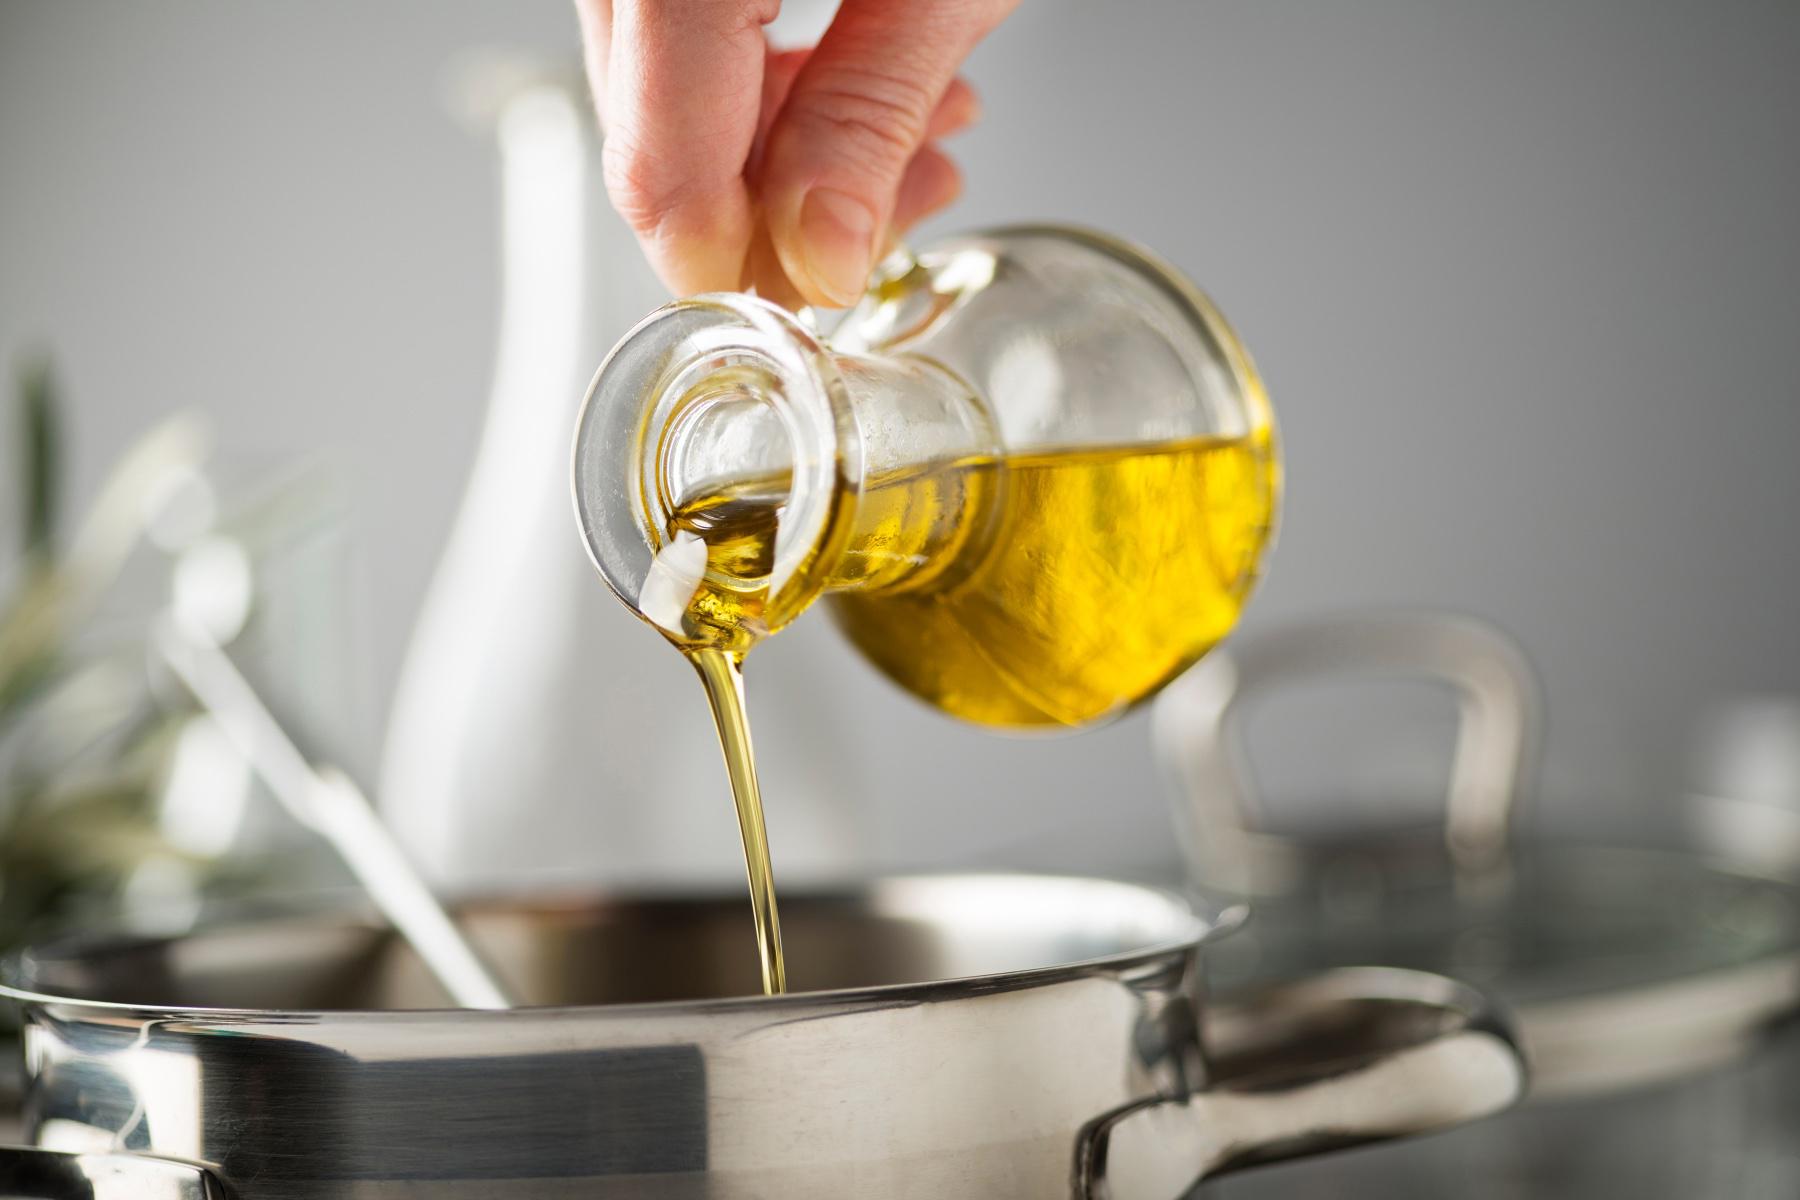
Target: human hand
[(739, 165)]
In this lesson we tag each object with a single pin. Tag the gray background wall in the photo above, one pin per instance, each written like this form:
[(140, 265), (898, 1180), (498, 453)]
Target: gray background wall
[(1521, 277)]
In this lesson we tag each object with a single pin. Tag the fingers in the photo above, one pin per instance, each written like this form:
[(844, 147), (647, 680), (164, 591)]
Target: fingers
[(762, 271), (596, 41), (931, 182), (683, 90), (858, 113), (959, 109), (693, 101)]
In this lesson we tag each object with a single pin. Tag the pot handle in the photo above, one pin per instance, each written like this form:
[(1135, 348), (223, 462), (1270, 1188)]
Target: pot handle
[(1346, 1057), (32, 1173)]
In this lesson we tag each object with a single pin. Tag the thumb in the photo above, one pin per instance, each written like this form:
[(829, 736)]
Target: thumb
[(858, 112)]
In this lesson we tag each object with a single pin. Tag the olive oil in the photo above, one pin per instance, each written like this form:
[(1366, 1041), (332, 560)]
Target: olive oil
[(1027, 590), (722, 676), (1101, 575)]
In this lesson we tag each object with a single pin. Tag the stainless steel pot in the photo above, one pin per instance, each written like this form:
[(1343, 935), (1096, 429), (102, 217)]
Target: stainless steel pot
[(979, 1036)]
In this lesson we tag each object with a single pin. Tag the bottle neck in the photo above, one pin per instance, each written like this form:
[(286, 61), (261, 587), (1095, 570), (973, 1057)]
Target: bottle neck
[(729, 468), (930, 466)]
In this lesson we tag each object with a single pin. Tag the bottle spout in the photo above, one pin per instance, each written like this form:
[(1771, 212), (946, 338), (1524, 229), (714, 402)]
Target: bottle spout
[(716, 462)]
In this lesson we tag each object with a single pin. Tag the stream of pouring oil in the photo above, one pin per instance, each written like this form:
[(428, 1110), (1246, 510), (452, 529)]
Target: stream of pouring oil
[(722, 675)]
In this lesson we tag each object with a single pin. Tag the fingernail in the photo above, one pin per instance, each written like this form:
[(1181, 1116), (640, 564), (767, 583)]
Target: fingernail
[(839, 235)]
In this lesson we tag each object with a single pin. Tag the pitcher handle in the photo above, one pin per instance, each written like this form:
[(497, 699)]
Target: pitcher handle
[(33, 1173), (1346, 1057)]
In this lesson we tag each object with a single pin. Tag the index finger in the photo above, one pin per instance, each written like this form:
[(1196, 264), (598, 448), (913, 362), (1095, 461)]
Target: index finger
[(683, 93)]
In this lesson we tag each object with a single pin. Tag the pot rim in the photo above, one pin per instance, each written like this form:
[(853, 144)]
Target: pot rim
[(1204, 918)]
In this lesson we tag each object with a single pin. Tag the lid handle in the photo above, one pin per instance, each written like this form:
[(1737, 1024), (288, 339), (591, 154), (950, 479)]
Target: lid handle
[(1198, 739)]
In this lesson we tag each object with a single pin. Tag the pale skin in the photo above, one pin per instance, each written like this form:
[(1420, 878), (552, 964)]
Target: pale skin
[(790, 171)]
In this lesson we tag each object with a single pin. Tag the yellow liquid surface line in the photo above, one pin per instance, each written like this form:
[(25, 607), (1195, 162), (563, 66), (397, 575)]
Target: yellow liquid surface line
[(722, 675), (1097, 575)]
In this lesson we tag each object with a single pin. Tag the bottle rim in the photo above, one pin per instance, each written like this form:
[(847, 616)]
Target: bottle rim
[(651, 410)]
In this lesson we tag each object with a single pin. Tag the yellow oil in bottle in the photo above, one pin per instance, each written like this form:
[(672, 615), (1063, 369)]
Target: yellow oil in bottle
[(1101, 575), (1030, 590)]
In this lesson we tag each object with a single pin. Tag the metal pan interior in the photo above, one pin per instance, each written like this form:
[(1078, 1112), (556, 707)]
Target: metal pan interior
[(585, 949)]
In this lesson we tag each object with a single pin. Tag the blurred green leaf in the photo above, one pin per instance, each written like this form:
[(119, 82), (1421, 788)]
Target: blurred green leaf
[(40, 451), (85, 744), (81, 756), (29, 637)]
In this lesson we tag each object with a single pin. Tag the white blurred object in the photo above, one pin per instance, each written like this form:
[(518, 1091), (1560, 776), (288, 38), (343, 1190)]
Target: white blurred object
[(207, 791), (1746, 801), (212, 582), (537, 728), (330, 802), (212, 596)]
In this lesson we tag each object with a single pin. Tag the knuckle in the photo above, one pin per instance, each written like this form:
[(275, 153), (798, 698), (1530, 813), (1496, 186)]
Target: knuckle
[(876, 117), (641, 191)]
